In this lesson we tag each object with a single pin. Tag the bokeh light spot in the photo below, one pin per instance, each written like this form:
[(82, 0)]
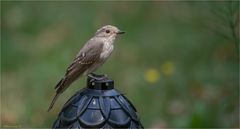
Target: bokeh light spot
[(152, 75), (168, 68)]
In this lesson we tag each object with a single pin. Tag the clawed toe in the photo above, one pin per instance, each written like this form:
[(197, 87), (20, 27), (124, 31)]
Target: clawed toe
[(94, 76)]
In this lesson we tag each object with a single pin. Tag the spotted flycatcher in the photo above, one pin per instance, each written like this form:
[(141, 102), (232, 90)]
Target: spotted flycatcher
[(93, 54)]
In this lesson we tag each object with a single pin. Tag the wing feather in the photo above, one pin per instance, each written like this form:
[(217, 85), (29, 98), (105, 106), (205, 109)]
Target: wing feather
[(88, 55)]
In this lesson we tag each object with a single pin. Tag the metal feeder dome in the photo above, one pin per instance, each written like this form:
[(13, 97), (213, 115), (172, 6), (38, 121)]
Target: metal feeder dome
[(98, 106)]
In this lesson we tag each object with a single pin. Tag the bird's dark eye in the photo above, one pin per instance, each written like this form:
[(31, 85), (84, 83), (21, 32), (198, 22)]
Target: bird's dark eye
[(107, 31)]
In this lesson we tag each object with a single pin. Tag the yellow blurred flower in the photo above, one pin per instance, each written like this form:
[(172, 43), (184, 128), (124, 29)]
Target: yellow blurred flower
[(152, 75), (168, 68)]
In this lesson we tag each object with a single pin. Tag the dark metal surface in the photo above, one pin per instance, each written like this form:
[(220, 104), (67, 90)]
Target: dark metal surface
[(98, 106), (100, 82)]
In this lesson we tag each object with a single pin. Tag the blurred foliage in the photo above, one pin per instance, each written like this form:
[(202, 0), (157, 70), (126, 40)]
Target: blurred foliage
[(171, 63)]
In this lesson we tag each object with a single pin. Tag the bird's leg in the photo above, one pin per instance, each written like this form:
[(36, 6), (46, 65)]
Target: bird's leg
[(93, 75), (96, 77)]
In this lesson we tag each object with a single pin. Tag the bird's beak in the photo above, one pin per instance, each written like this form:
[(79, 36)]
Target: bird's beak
[(120, 32)]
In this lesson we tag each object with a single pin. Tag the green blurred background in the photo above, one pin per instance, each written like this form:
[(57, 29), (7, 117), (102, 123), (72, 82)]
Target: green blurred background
[(178, 62)]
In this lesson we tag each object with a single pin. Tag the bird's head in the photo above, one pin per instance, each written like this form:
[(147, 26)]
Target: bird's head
[(108, 31)]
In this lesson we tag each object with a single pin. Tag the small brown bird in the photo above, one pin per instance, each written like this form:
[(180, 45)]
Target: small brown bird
[(93, 54)]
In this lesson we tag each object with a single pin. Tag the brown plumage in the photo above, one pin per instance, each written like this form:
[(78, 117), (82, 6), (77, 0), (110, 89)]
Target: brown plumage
[(93, 54)]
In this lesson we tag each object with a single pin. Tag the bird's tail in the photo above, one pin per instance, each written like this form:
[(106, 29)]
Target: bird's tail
[(53, 101), (62, 85), (59, 88)]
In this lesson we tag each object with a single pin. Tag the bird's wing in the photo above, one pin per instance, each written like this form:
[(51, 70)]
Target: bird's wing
[(88, 55)]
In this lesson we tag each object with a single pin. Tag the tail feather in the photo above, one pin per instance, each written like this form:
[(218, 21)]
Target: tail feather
[(59, 83), (59, 87), (62, 85), (53, 101)]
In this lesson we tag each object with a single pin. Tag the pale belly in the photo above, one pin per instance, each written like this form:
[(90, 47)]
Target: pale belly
[(107, 50)]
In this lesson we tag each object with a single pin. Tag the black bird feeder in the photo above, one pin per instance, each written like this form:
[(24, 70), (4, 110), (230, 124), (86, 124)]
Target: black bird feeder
[(98, 106)]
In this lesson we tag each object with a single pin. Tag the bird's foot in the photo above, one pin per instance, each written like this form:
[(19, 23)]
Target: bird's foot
[(94, 76)]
